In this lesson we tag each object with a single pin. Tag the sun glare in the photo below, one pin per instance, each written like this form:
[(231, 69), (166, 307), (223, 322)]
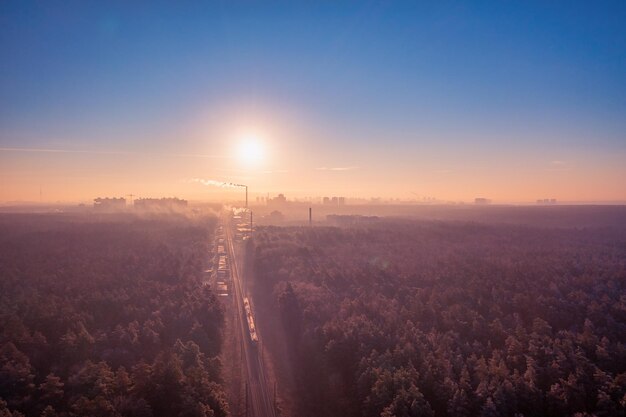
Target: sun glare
[(250, 150)]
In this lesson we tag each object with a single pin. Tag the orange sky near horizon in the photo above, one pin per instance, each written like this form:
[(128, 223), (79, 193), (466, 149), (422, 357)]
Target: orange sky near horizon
[(305, 169)]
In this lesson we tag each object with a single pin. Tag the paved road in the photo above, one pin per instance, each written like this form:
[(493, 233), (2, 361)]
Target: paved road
[(259, 393)]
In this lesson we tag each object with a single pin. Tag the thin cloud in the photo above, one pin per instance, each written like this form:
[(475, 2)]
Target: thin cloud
[(194, 155), (46, 150), (558, 166), (97, 152)]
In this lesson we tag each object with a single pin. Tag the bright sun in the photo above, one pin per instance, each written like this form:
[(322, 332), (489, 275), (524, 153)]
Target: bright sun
[(250, 150)]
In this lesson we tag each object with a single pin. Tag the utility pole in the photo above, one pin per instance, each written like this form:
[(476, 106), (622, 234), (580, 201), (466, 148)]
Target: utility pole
[(310, 216), (250, 221), (246, 196)]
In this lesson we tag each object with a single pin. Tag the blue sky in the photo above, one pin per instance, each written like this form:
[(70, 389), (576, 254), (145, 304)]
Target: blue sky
[(491, 77)]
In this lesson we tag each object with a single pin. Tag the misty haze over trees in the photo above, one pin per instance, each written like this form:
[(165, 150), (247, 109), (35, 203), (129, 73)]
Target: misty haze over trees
[(107, 318), (449, 319), (107, 315)]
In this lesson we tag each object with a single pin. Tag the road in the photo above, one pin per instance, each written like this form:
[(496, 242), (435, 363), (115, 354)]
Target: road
[(259, 395)]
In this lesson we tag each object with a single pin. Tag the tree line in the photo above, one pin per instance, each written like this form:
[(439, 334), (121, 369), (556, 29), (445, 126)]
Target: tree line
[(107, 317), (407, 318)]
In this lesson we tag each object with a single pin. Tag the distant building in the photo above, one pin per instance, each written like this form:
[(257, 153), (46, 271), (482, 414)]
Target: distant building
[(277, 201), (546, 201), (109, 204), (334, 201), (482, 201), (160, 204)]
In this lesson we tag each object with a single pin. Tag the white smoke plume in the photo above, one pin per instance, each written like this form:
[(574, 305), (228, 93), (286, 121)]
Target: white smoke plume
[(215, 183)]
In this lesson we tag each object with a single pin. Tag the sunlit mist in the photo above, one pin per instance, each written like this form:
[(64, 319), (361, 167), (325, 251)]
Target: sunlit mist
[(250, 151)]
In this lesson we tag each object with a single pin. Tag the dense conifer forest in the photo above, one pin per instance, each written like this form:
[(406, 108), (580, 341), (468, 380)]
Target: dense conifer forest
[(450, 319), (107, 316)]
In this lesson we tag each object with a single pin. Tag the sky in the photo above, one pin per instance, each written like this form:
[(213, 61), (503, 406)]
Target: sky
[(512, 101)]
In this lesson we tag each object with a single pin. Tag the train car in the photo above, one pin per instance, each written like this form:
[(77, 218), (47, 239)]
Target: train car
[(222, 262), (223, 274), (254, 338)]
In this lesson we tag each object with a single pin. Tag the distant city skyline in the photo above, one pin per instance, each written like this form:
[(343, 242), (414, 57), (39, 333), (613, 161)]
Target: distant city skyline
[(514, 102)]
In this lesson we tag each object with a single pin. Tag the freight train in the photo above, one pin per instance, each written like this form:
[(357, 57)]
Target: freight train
[(250, 319)]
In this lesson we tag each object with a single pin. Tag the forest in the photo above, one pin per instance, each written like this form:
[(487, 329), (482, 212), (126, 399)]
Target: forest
[(107, 316), (452, 319)]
